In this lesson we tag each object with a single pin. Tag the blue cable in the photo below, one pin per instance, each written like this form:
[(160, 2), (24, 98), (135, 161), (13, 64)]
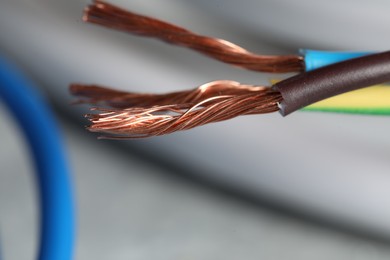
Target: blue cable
[(315, 59), (52, 172)]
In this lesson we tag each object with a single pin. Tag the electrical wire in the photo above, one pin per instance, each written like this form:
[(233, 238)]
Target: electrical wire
[(52, 171), (138, 122), (137, 115), (108, 15), (374, 100), (114, 17), (286, 97), (315, 59), (94, 94), (309, 87)]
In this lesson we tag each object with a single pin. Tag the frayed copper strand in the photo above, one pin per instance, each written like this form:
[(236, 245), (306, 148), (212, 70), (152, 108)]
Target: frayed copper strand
[(140, 122), (94, 94), (111, 16)]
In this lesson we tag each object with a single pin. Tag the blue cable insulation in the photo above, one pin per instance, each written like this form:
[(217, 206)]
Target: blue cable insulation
[(315, 59), (52, 173)]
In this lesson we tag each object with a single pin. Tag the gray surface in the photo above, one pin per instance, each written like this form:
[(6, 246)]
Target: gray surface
[(129, 209), (341, 167), (308, 24)]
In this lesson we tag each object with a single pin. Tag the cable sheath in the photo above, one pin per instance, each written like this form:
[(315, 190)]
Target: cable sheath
[(52, 173), (309, 87)]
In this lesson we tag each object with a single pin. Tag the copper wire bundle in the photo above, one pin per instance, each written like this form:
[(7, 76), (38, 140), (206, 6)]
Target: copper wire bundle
[(151, 115), (105, 14), (94, 94)]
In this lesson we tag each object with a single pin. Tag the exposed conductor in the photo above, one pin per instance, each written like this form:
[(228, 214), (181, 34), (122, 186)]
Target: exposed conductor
[(94, 94), (126, 115), (212, 102), (105, 14)]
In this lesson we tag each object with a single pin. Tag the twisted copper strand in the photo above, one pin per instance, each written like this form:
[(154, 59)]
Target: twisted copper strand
[(94, 94), (111, 16), (139, 122)]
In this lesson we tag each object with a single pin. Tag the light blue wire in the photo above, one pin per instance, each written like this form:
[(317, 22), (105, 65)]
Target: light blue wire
[(52, 173), (315, 59)]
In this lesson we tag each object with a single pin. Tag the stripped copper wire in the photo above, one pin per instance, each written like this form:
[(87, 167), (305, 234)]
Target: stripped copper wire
[(200, 106), (114, 17), (94, 94)]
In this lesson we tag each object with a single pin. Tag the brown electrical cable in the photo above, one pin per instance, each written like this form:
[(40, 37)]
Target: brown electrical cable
[(138, 115), (221, 100), (309, 87), (111, 16), (211, 102)]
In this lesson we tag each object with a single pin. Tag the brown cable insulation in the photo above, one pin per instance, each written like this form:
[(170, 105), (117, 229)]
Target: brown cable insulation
[(114, 17), (309, 87)]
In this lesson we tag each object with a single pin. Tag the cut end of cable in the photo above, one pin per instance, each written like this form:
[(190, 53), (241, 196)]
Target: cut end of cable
[(212, 102), (138, 115)]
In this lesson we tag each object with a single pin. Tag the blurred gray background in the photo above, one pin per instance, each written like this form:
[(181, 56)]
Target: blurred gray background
[(309, 186)]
